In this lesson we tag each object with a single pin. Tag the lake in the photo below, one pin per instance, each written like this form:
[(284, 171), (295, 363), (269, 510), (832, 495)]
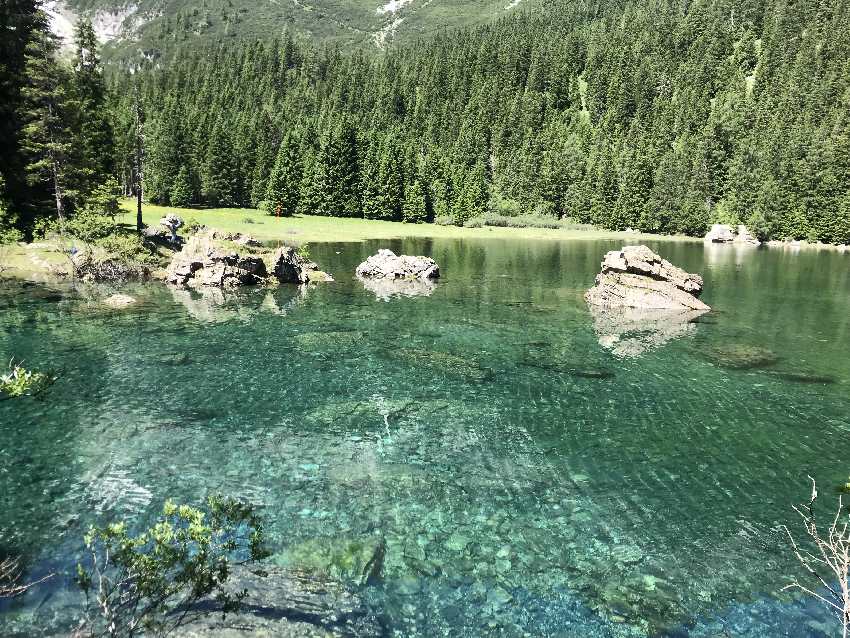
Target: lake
[(534, 469)]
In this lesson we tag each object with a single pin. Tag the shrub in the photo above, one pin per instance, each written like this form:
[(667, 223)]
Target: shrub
[(303, 251), (444, 220), (150, 582), (128, 247), (474, 222), (20, 382)]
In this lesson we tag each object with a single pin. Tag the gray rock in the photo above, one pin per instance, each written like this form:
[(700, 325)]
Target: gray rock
[(386, 264), (636, 277), (240, 239), (203, 262), (720, 234), (284, 603), (291, 268), (172, 222)]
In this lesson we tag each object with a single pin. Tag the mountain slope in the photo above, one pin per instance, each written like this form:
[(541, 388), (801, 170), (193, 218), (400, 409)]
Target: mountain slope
[(161, 27)]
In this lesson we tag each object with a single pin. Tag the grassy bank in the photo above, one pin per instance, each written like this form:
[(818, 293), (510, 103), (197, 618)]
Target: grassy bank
[(311, 229)]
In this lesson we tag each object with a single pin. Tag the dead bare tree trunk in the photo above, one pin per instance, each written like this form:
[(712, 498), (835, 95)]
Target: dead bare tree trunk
[(828, 565)]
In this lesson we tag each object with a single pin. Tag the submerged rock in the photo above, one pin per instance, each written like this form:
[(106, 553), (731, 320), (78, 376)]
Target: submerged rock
[(443, 362), (205, 262), (632, 332), (291, 268), (283, 603), (119, 301), (740, 356), (636, 277), (386, 264)]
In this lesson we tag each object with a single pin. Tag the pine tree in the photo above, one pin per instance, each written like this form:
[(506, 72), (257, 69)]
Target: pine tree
[(415, 209), (183, 190), (46, 131), (220, 179), (93, 145), (283, 194)]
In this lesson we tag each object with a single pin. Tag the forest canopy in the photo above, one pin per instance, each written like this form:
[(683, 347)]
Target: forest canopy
[(663, 116)]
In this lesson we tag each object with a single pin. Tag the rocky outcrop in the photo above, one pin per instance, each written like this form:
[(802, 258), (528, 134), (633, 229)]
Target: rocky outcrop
[(725, 234), (205, 262), (286, 604), (240, 239), (291, 268), (636, 277), (387, 265)]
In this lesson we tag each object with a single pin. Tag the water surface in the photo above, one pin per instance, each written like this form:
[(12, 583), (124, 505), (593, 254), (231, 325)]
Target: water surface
[(534, 470)]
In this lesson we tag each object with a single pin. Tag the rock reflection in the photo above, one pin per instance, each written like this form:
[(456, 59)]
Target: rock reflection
[(214, 305), (632, 332), (386, 289)]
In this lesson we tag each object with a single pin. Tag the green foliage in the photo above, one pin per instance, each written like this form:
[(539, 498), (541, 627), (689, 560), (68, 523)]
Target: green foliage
[(20, 382), (128, 247), (303, 251), (96, 219), (147, 583)]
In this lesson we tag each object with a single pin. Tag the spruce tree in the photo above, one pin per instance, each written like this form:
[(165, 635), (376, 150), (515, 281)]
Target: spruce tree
[(46, 133), (415, 209), (284, 185)]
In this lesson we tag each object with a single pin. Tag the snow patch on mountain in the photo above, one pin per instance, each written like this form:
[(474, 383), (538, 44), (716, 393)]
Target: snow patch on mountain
[(62, 21), (393, 6)]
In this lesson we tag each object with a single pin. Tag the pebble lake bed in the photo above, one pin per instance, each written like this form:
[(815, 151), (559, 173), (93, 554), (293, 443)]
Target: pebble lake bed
[(531, 467)]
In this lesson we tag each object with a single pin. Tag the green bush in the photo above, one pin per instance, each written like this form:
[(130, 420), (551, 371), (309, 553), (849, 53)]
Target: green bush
[(444, 220), (148, 583), (20, 382), (474, 222), (127, 247)]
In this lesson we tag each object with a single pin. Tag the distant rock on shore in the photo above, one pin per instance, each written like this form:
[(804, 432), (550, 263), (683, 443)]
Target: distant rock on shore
[(387, 265), (636, 277), (725, 234)]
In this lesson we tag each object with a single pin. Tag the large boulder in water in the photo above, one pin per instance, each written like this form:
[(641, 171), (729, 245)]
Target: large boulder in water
[(291, 268), (205, 262), (387, 265), (636, 277)]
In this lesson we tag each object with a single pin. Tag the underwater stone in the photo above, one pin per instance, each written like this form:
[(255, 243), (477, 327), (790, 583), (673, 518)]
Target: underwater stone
[(457, 542)]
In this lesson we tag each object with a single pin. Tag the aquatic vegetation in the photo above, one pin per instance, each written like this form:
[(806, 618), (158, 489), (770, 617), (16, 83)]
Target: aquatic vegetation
[(149, 582), (331, 339), (346, 559), (20, 382)]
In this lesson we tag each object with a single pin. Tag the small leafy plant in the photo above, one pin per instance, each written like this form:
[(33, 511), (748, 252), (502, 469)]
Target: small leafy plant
[(150, 583), (303, 251), (20, 382)]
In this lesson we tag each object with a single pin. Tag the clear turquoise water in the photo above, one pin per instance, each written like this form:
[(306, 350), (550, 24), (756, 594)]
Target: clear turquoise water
[(526, 478)]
